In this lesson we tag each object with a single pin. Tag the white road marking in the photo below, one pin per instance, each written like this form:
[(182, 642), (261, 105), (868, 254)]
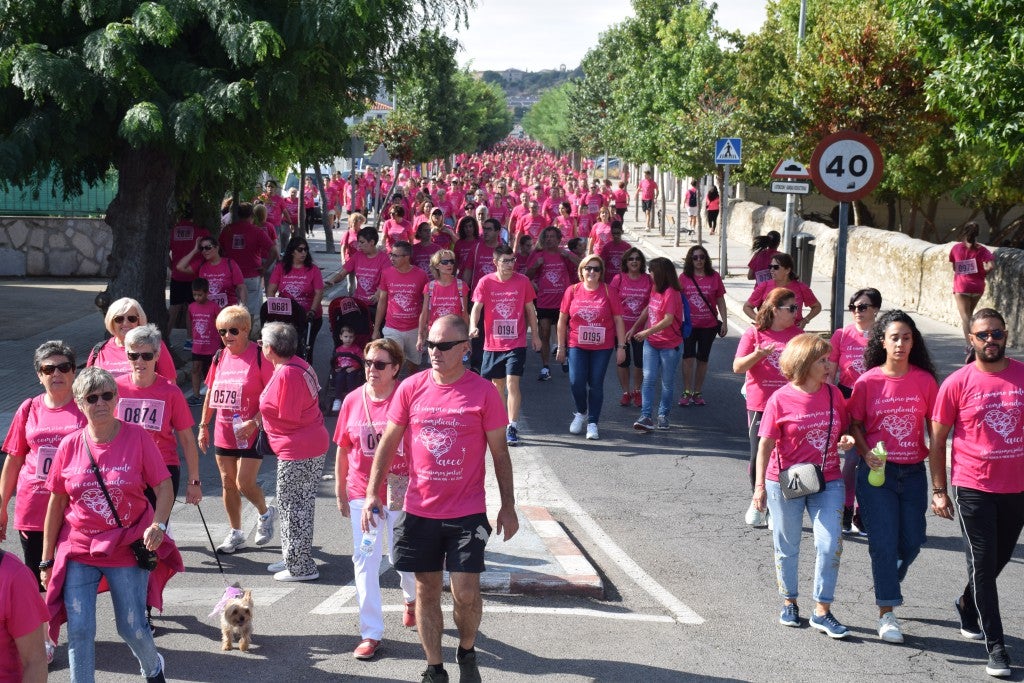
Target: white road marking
[(544, 611)]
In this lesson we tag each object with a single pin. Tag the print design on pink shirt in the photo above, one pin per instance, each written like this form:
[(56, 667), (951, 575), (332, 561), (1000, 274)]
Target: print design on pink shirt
[(1003, 422)]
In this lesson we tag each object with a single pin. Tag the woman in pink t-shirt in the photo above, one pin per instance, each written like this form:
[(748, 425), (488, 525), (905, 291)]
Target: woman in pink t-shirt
[(757, 356), (660, 328), (295, 431), (892, 404), (802, 423), (634, 287), (24, 650), (590, 327), (702, 286), (601, 232), (443, 295), (298, 278), (361, 423), (765, 246), (784, 276), (971, 264), (123, 315), (227, 286)]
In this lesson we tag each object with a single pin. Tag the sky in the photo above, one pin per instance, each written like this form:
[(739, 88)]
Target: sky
[(543, 34)]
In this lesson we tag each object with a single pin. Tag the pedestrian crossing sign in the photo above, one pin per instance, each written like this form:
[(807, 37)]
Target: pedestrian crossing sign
[(728, 151)]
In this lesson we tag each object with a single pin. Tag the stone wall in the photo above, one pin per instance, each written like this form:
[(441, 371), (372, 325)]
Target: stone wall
[(909, 272), (48, 246)]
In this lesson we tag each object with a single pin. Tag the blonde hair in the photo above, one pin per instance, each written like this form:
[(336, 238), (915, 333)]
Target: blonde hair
[(123, 306), (800, 355), (586, 261), (352, 217), (435, 261), (235, 316)]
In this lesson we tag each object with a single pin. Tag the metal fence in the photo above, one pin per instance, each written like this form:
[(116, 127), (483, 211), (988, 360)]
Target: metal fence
[(47, 199)]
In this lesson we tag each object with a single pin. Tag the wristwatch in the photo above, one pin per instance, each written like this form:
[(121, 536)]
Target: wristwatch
[(161, 526), (194, 482)]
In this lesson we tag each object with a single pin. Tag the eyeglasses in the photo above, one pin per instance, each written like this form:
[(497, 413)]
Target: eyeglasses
[(447, 262), (593, 269), (233, 331), (206, 247), (445, 346), (506, 261), (107, 397), (859, 308), (144, 355), (775, 266), (792, 308), (63, 368), (130, 318), (995, 335), (377, 364), (302, 249), (634, 258)]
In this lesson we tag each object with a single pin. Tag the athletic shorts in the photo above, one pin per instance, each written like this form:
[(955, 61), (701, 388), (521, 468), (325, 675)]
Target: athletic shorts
[(692, 210), (646, 204), (634, 354), (205, 360), (181, 292), (430, 545), (407, 340), (501, 364), (238, 453), (547, 314)]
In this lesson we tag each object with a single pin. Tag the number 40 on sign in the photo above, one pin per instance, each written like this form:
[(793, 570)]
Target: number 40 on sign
[(846, 166)]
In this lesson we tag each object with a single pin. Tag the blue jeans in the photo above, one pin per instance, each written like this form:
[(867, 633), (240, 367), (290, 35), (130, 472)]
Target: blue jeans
[(826, 510), (587, 369), (128, 594), (664, 361), (895, 515)]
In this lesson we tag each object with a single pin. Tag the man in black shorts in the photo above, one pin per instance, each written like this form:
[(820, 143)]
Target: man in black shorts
[(454, 416)]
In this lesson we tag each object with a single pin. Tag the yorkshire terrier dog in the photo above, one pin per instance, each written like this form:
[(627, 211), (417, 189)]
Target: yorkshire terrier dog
[(236, 622)]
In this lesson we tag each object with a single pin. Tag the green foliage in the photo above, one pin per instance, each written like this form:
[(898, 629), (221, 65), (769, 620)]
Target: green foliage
[(549, 122)]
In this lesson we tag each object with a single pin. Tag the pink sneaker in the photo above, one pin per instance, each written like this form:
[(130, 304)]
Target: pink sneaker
[(409, 615), (697, 400), (684, 400), (638, 400), (366, 648), (625, 399)]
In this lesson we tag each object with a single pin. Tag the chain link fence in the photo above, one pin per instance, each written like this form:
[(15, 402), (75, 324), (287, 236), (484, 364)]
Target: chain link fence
[(47, 200)]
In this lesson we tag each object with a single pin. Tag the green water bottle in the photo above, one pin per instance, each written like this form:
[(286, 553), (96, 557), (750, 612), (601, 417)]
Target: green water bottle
[(876, 477)]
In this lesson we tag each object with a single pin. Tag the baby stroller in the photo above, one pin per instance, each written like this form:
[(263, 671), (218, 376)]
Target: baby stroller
[(285, 310), (346, 311)]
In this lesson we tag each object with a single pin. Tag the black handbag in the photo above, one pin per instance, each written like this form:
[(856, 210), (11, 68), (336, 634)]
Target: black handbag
[(807, 478)]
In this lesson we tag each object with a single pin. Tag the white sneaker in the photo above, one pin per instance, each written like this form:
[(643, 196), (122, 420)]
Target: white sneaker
[(336, 406), (277, 566), (232, 542), (265, 528), (889, 628), (51, 650), (578, 421), (592, 433), (285, 575), (754, 517)]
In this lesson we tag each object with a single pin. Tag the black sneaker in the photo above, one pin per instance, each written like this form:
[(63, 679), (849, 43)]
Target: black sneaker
[(433, 675), (969, 626), (468, 670), (847, 520), (998, 662)]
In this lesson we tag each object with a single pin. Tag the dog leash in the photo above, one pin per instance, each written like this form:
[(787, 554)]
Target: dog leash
[(212, 546)]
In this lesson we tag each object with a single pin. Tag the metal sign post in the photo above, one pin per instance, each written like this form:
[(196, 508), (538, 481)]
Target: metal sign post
[(728, 152)]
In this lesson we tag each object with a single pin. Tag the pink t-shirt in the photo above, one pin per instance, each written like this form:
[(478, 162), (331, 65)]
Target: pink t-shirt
[(647, 189), (367, 270), (848, 344), (246, 244), (203, 317), (600, 233), (223, 278), (405, 297), (348, 357), (22, 610), (183, 239), (128, 464), (658, 306), (761, 264), (621, 198), (235, 384), (635, 294), (591, 316), (985, 409), (422, 252), (765, 378), (531, 225), (894, 410), (444, 300), (969, 268), (360, 434), (395, 231), (481, 262), (611, 253), (299, 284), (803, 296), (160, 409), (504, 319), (448, 426), (464, 254), (114, 359), (35, 433), (567, 226), (291, 413), (712, 288), (349, 240), (553, 276), (799, 423)]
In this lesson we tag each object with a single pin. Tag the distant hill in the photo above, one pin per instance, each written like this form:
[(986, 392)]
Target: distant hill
[(524, 88)]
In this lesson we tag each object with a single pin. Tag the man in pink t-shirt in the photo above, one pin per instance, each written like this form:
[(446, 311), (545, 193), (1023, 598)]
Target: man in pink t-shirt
[(400, 303), (981, 404), (253, 250), (454, 417), (647, 191)]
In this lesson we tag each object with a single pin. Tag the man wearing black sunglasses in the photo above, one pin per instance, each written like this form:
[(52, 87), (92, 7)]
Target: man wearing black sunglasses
[(980, 403)]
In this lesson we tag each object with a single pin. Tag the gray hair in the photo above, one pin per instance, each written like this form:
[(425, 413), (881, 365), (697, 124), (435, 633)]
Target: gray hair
[(282, 339), (123, 306), (90, 380), (48, 349), (146, 335)]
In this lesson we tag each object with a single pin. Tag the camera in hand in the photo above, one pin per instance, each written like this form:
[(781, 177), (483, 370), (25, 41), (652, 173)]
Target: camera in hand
[(144, 557)]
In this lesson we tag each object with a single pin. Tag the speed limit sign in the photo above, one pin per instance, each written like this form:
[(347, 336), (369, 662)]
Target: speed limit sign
[(846, 166)]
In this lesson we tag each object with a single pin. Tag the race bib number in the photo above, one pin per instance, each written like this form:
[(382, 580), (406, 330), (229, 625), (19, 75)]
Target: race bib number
[(146, 412), (279, 305), (226, 396), (506, 329), (965, 267), (591, 335), (44, 459), (183, 234), (220, 298), (238, 242), (368, 440), (763, 275)]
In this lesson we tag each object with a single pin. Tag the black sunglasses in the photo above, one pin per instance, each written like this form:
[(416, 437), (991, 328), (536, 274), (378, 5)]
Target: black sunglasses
[(447, 262), (232, 330), (792, 308), (206, 247), (859, 308), (107, 396), (699, 257), (302, 249), (996, 335), (775, 266), (445, 346), (144, 355), (130, 318), (593, 269), (64, 368), (377, 364)]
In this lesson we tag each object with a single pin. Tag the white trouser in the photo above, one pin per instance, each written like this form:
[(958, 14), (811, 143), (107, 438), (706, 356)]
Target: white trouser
[(367, 573)]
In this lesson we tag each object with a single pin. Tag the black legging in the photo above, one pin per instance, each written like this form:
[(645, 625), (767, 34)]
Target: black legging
[(754, 417)]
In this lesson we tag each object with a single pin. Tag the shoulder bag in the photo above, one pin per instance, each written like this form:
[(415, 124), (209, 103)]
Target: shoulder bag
[(714, 311), (807, 478)]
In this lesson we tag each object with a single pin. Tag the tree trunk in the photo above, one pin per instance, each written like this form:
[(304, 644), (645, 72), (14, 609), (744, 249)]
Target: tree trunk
[(140, 218)]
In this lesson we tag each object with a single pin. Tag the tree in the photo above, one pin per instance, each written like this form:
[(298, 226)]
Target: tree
[(183, 93), (548, 120)]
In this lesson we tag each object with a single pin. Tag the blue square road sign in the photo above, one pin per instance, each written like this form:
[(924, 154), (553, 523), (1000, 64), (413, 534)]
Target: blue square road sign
[(728, 151)]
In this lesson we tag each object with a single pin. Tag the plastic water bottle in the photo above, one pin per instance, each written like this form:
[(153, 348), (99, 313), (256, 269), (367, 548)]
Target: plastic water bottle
[(369, 540), (876, 477), (236, 425)]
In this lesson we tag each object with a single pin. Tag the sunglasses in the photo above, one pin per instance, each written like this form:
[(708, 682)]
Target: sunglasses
[(302, 249), (144, 355), (859, 308), (699, 257), (233, 331), (377, 364), (130, 318), (445, 346), (634, 258), (63, 368), (593, 269), (107, 397), (775, 266), (995, 335), (792, 308), (206, 247), (447, 262)]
